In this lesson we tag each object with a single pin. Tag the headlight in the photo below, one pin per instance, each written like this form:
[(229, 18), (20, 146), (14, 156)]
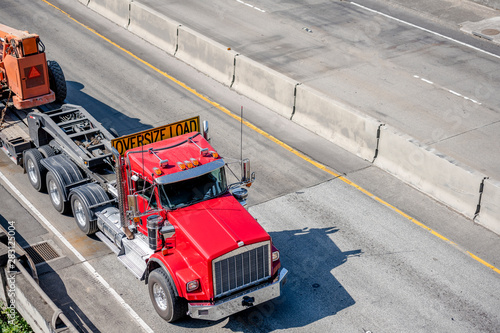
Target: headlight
[(276, 255), (192, 285)]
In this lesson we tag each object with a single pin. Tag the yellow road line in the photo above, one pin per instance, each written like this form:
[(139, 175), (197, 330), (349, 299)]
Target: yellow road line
[(275, 140)]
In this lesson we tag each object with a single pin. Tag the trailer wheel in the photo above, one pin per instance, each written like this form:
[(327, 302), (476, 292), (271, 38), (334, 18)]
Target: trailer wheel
[(47, 151), (163, 295), (56, 193), (57, 80), (35, 170), (82, 215)]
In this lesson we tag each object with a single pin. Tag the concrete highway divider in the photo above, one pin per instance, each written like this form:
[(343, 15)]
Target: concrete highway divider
[(489, 215), (429, 171), (264, 85), (336, 121), (206, 55), (115, 10), (154, 27)]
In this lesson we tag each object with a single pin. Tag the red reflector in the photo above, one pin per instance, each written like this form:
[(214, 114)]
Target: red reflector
[(34, 73)]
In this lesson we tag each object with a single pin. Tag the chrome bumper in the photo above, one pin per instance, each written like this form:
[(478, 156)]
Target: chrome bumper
[(238, 302)]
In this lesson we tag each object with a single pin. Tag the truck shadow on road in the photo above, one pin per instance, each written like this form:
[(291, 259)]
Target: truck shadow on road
[(105, 114), (312, 292)]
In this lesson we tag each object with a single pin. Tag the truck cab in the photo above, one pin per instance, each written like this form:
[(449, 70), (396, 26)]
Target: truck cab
[(192, 239)]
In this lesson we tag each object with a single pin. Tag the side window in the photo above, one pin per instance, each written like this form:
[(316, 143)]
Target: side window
[(146, 190), (149, 195)]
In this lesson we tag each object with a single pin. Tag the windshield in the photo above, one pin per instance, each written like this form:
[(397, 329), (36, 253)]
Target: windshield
[(190, 191)]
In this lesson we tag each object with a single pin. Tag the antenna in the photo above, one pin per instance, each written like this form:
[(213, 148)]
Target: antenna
[(241, 140)]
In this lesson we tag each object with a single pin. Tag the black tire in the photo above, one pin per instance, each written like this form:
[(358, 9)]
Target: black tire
[(35, 170), (82, 215), (57, 81), (164, 297), (47, 151), (56, 193)]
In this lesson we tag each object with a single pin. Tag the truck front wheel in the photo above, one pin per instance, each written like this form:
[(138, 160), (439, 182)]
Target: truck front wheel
[(163, 295)]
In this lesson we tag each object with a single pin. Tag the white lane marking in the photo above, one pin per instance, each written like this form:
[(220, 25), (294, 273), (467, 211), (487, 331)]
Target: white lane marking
[(84, 261), (448, 90), (251, 6), (427, 30)]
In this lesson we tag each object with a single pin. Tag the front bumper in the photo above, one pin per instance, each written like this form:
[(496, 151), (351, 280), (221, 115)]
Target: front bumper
[(238, 302)]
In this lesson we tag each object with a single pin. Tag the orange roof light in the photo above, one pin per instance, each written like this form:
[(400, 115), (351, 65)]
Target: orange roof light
[(157, 171), (214, 154), (189, 164), (181, 165), (195, 162)]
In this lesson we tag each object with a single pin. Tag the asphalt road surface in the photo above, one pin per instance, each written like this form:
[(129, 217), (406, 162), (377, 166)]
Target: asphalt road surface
[(356, 264)]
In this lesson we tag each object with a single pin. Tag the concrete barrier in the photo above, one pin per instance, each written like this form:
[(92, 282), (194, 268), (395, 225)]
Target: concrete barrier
[(489, 216), (153, 26), (337, 122), (429, 171), (264, 85), (114, 10), (206, 55)]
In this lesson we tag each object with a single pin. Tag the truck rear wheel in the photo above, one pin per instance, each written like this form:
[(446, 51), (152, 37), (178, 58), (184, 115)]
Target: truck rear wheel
[(82, 199), (164, 297), (56, 193), (82, 215), (35, 170), (57, 80)]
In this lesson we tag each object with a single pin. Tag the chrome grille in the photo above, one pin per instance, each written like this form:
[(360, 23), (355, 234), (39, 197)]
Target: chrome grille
[(241, 268)]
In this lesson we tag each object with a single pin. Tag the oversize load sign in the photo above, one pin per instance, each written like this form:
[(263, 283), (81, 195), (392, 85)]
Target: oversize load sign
[(124, 143)]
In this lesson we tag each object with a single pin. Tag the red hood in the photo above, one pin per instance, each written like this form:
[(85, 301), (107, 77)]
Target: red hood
[(216, 226)]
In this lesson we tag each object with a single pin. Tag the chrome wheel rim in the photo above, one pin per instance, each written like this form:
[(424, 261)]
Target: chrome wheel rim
[(79, 213), (160, 297), (54, 193), (32, 172)]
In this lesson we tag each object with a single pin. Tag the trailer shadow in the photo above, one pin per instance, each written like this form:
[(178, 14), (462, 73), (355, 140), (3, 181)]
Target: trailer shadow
[(105, 114), (311, 293)]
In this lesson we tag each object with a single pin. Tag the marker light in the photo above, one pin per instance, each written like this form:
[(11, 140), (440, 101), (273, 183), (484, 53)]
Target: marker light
[(157, 171), (181, 165), (192, 285), (189, 164), (276, 255), (195, 161), (214, 154)]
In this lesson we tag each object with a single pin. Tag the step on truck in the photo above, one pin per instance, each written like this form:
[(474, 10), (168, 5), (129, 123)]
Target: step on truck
[(161, 201)]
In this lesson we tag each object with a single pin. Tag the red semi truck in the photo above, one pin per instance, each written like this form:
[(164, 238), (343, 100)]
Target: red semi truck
[(161, 200)]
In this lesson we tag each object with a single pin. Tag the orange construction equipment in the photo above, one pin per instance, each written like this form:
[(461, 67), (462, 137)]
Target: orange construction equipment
[(24, 73)]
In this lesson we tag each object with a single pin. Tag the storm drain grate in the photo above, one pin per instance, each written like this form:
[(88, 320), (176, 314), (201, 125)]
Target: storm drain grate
[(41, 252)]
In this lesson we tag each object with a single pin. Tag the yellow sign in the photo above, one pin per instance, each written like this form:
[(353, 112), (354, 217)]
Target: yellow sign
[(124, 143)]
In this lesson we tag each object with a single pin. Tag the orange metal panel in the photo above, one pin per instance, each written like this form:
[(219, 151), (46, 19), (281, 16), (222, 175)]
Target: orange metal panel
[(34, 85), (30, 46), (12, 71)]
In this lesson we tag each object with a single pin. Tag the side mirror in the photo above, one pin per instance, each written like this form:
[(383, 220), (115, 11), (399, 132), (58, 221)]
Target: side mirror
[(245, 171), (206, 133)]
